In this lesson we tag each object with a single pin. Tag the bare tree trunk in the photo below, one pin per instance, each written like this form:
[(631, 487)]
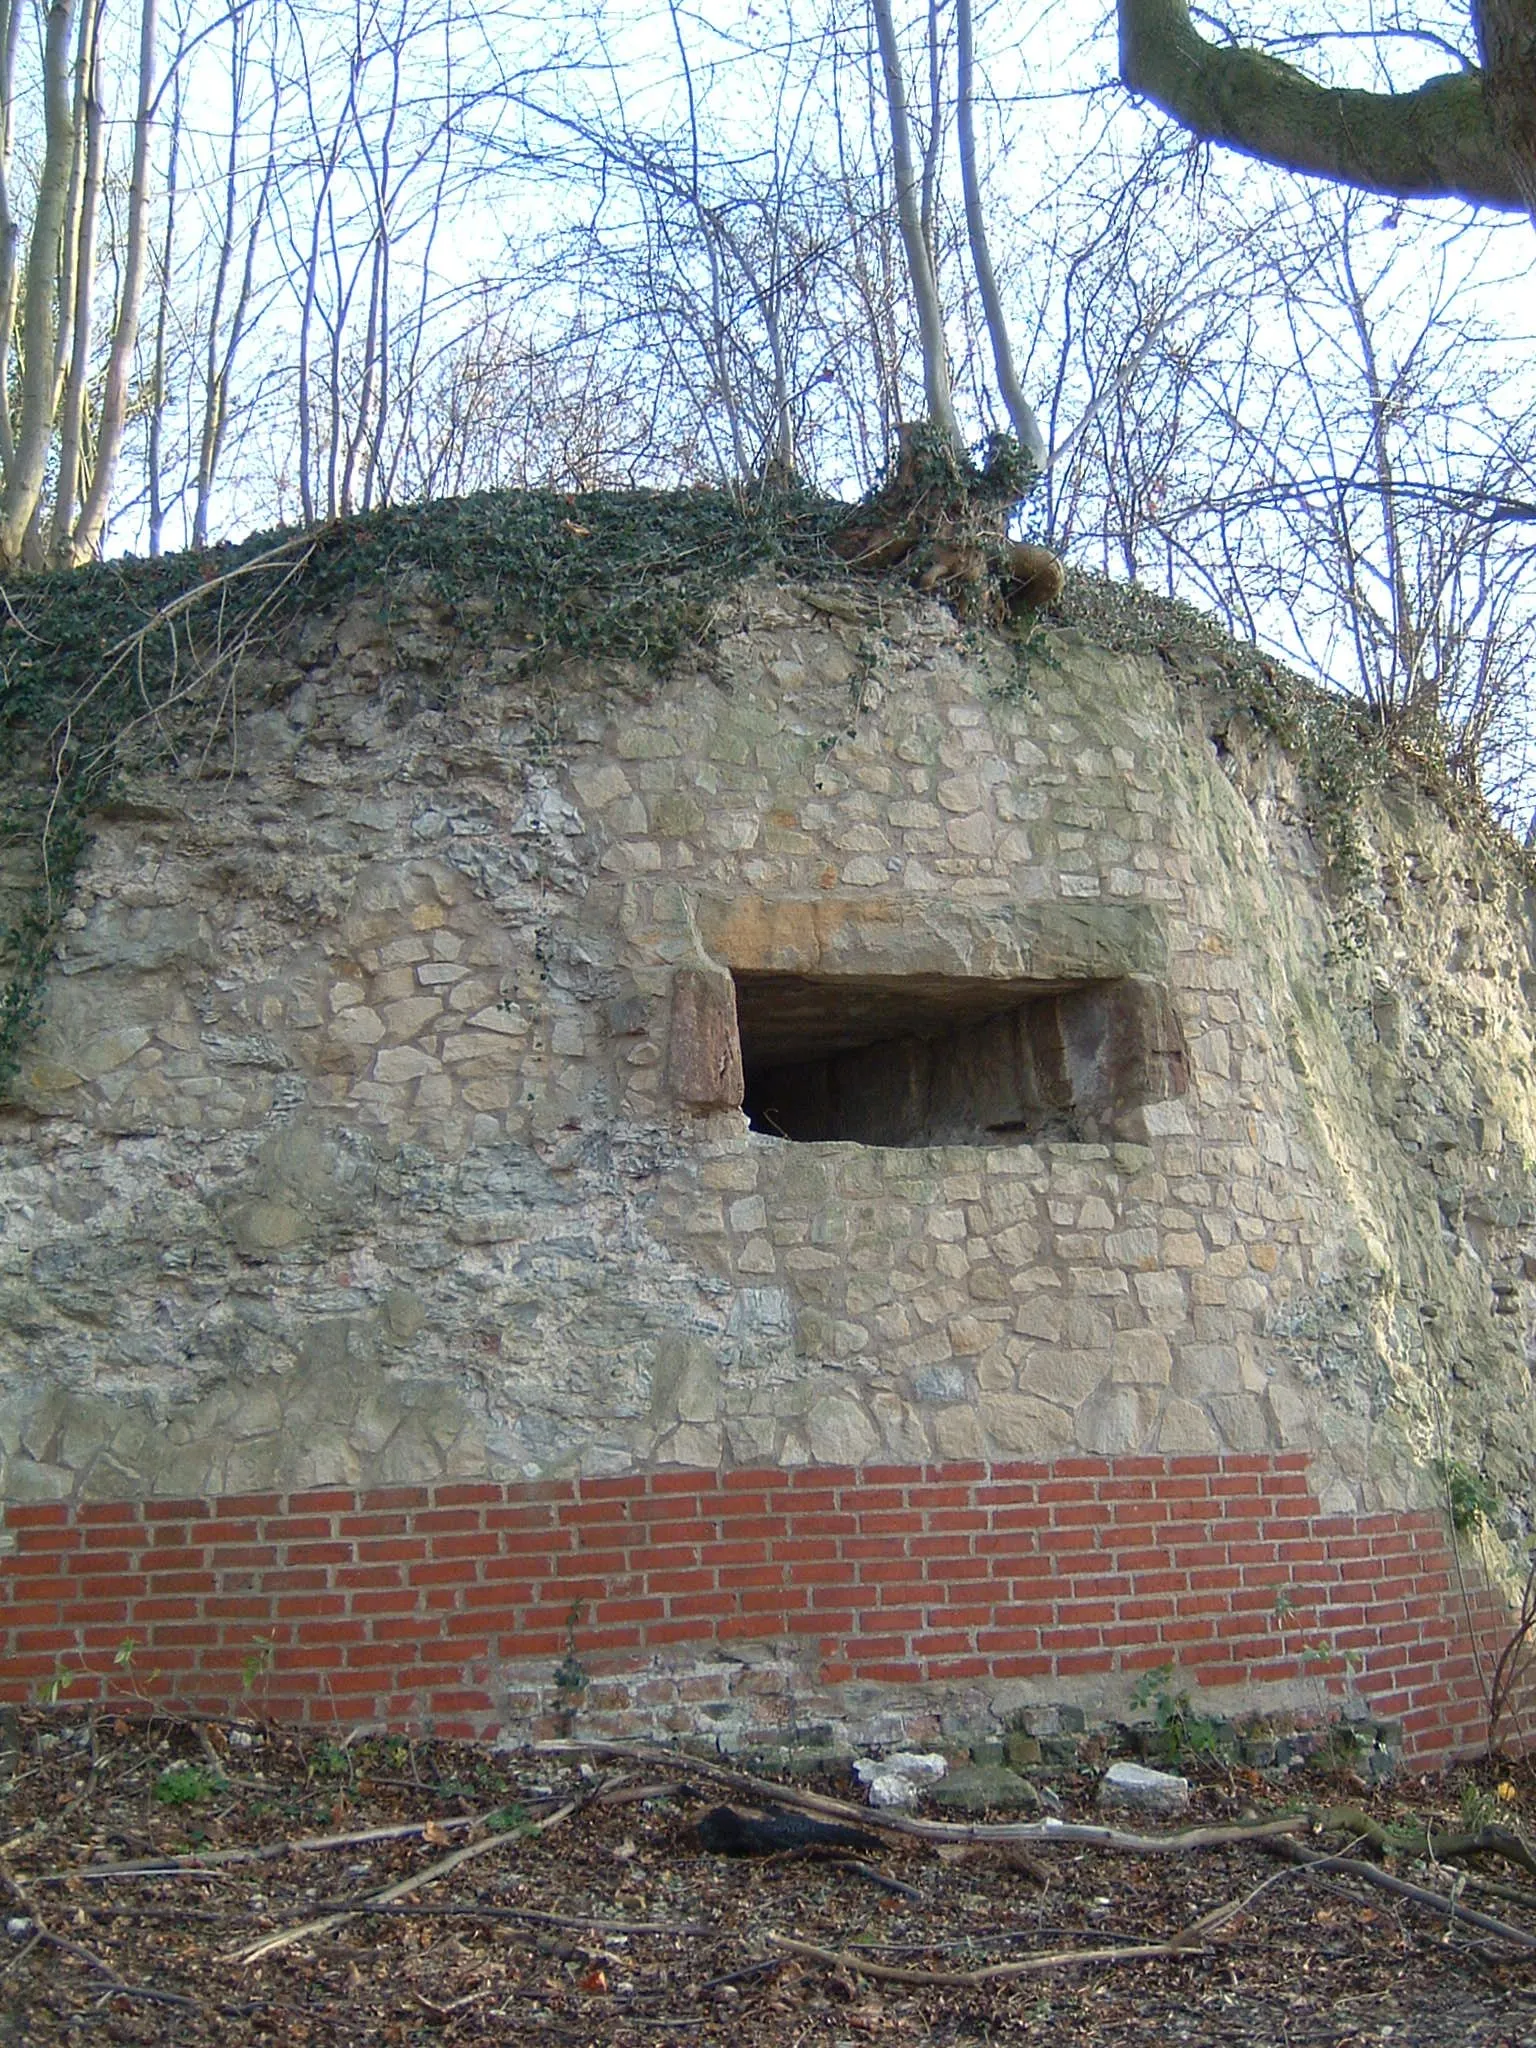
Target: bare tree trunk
[(1021, 414), (10, 231), (125, 332), (81, 247), (925, 290), (223, 350), (1506, 42), (330, 156), (1403, 687), (155, 437), (39, 328), (214, 392)]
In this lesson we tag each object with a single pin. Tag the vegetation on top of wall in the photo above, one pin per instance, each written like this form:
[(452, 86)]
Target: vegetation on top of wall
[(1340, 747), (151, 651)]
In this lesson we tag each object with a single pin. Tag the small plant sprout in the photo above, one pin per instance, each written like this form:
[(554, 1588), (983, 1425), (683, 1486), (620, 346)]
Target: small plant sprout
[(185, 1785)]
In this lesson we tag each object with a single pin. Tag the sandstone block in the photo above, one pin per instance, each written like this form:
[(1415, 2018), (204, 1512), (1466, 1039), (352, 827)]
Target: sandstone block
[(1186, 1428), (1024, 1427), (1116, 1420), (839, 1432), (703, 1046), (978, 1788), (396, 1064), (1068, 1377), (957, 1433), (1141, 1358)]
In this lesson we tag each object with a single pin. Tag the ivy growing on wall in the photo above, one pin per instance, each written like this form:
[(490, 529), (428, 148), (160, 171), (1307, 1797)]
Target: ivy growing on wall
[(147, 657)]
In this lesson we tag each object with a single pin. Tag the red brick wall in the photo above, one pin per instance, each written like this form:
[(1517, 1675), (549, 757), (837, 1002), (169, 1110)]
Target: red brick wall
[(451, 1605)]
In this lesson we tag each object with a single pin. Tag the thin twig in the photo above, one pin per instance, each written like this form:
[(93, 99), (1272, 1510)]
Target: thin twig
[(1440, 1903), (397, 1909), (1190, 1938), (198, 1862), (893, 1885), (323, 1925), (120, 1986)]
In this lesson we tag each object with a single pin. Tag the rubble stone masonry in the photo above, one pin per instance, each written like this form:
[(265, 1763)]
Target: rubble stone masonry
[(831, 1185)]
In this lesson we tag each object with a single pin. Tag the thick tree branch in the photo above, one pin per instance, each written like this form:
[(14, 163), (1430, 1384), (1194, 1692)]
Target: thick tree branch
[(1439, 142)]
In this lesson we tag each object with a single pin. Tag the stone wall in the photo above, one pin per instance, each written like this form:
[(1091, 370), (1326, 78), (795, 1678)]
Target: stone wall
[(385, 1126)]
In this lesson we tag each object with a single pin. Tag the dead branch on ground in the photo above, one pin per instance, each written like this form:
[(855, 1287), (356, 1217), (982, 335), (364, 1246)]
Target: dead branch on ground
[(1191, 1937)]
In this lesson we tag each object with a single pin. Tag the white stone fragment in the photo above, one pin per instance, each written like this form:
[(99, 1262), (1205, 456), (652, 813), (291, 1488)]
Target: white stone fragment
[(897, 1780), (1137, 1788), (891, 1788)]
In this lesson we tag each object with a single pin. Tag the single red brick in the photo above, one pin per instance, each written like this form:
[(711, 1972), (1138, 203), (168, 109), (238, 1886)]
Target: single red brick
[(1181, 1486), (890, 1571), (750, 1478), (941, 1642), (88, 1613), (299, 1605), (607, 1614), (33, 1614), (179, 1608), (1008, 1640), (742, 1575), (1027, 1613), (872, 1500), (469, 1545), (1011, 1523), (671, 1483), (805, 1554), (693, 1609), (47, 1635), (172, 1635), (459, 1493), (798, 1505), (1139, 1613), (1083, 1662), (110, 1511), (960, 1614), (297, 1528), (956, 1668), (957, 1570), (660, 1633), (940, 1496)]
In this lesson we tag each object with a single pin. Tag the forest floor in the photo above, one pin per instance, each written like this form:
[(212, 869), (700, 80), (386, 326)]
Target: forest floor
[(566, 1898)]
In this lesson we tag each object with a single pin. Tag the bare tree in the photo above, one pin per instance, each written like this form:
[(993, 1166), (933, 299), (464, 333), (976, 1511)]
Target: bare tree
[(63, 420), (916, 231), (236, 238)]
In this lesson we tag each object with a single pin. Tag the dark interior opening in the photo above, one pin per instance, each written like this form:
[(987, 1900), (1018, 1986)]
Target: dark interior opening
[(936, 1060)]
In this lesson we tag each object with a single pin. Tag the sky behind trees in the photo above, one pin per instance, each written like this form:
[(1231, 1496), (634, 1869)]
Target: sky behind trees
[(414, 248)]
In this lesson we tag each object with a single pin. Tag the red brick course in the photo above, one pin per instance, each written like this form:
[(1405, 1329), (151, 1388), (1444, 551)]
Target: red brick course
[(449, 1605)]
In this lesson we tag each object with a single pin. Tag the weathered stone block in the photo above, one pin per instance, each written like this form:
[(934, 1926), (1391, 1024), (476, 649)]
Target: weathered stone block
[(1136, 1788), (704, 1068)]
